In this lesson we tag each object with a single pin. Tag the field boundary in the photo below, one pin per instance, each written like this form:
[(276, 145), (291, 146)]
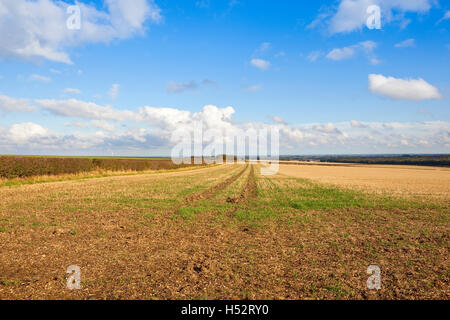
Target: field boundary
[(17, 182)]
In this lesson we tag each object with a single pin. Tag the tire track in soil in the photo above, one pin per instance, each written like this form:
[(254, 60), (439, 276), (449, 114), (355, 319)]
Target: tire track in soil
[(247, 193), (209, 193)]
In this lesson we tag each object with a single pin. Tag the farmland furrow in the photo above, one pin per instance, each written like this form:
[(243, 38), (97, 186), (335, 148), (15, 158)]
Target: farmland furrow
[(214, 189), (247, 193)]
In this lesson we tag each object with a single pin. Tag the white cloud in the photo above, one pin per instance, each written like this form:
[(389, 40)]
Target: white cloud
[(103, 125), (114, 91), (357, 124), (23, 132), (11, 104), (260, 64), (402, 89), (39, 78), (341, 54), (180, 87), (37, 29), (344, 136), (86, 110), (366, 47), (351, 15), (253, 88), (406, 44), (72, 91), (326, 128)]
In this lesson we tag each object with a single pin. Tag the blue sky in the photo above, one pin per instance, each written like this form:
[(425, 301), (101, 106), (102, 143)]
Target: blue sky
[(303, 66)]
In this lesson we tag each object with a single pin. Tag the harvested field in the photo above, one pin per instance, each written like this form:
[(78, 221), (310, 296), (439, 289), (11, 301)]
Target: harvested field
[(409, 181), (226, 232)]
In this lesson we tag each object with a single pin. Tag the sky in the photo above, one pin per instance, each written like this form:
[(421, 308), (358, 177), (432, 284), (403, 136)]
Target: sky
[(134, 72)]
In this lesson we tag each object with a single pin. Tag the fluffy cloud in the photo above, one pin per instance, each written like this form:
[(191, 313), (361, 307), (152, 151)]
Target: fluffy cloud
[(37, 29), (260, 64), (351, 15), (326, 128), (357, 124), (160, 123), (103, 125), (24, 132), (146, 129), (402, 89), (340, 54), (11, 104), (86, 110)]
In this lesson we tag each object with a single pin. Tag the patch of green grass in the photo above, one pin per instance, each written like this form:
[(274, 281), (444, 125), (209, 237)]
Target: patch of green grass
[(3, 229), (9, 282), (188, 213), (337, 289), (149, 216)]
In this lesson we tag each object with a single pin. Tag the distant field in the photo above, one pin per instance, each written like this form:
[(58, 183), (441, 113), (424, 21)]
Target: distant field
[(226, 232), (418, 160), (29, 166)]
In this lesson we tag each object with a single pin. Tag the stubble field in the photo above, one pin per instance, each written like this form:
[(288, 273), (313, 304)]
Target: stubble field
[(226, 232)]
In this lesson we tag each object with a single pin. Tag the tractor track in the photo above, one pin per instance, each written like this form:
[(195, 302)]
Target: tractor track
[(247, 193), (209, 193)]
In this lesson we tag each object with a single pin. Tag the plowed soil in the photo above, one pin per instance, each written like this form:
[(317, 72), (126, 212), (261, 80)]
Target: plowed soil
[(226, 232)]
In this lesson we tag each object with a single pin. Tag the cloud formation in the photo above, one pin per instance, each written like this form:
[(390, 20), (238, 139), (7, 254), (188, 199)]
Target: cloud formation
[(38, 29), (10, 104), (146, 129), (402, 89), (351, 15)]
